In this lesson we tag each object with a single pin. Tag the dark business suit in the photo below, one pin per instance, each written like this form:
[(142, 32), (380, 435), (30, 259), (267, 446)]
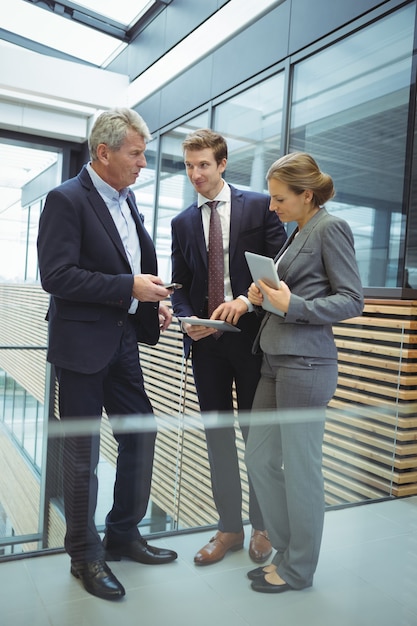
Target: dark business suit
[(93, 345), (299, 371), (217, 363)]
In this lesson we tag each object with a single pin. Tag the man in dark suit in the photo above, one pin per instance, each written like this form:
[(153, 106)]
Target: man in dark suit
[(220, 361), (99, 265)]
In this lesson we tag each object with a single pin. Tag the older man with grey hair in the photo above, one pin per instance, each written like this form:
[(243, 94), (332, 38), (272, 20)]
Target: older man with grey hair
[(99, 265)]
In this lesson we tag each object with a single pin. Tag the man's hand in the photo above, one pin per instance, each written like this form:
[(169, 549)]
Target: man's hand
[(165, 317), (197, 332), (148, 288), (227, 312), (230, 311)]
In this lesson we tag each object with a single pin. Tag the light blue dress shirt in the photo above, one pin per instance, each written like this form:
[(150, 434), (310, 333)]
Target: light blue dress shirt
[(118, 207)]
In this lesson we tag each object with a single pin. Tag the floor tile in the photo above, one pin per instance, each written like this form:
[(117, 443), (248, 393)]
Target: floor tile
[(366, 575)]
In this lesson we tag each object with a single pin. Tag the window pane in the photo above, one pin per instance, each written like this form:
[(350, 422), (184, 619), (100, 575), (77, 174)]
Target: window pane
[(144, 187), (24, 182), (33, 213), (410, 273), (350, 111), (251, 123), (175, 190)]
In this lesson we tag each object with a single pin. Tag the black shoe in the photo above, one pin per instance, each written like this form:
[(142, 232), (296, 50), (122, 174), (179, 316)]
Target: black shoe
[(137, 550), (256, 573), (98, 579), (262, 585)]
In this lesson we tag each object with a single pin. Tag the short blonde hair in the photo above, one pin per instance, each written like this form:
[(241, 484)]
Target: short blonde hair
[(300, 171)]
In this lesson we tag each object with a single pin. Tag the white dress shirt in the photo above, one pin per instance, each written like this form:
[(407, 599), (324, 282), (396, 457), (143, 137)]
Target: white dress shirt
[(223, 209)]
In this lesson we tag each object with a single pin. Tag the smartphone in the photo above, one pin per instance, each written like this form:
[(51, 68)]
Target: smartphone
[(173, 286)]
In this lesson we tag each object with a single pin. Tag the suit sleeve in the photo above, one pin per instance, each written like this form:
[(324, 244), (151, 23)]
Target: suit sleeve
[(342, 296), (67, 253), (182, 274)]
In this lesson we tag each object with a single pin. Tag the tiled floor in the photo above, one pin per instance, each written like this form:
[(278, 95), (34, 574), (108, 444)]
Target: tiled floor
[(367, 576)]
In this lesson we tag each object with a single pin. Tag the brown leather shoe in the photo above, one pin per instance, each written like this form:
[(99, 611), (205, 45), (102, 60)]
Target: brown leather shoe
[(218, 546), (260, 547)]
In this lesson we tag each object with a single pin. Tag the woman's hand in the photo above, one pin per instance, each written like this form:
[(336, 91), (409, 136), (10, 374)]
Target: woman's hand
[(279, 298), (255, 296)]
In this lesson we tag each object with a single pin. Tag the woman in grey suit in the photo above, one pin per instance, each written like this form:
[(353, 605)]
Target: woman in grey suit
[(320, 285)]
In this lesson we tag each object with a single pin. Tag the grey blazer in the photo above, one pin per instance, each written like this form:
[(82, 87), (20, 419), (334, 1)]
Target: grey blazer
[(319, 266)]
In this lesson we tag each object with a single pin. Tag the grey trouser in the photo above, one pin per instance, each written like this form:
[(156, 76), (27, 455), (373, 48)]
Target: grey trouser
[(284, 458)]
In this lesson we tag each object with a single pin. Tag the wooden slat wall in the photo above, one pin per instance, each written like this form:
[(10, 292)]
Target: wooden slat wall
[(22, 312), (370, 447), (181, 482)]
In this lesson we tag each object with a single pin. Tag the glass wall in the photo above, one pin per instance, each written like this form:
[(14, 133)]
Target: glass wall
[(28, 173), (19, 220), (21, 450), (349, 109), (145, 187), (251, 122), (175, 192), (22, 415)]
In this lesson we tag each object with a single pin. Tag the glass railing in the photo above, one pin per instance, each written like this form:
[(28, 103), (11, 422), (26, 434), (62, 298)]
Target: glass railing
[(356, 468), (369, 449)]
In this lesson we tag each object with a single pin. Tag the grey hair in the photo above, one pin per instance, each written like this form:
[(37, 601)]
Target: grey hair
[(111, 128)]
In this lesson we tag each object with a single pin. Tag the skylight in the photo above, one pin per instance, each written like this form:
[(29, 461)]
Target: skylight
[(126, 12), (29, 21)]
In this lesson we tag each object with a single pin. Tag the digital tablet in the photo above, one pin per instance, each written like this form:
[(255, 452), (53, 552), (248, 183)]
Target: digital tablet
[(217, 324), (263, 268)]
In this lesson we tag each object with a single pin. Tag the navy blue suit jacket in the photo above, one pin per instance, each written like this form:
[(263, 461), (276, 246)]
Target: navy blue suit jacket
[(253, 227), (83, 265)]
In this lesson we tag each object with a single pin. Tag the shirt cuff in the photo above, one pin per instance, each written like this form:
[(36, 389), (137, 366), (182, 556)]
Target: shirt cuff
[(250, 305)]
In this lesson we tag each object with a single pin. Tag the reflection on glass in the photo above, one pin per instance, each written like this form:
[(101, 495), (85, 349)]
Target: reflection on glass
[(251, 124), (350, 111)]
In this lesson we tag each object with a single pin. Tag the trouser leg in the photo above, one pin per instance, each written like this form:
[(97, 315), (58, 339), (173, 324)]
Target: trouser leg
[(125, 396), (284, 458), (80, 404)]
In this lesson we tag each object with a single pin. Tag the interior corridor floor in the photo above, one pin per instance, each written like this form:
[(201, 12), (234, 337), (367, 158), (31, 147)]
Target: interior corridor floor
[(367, 576)]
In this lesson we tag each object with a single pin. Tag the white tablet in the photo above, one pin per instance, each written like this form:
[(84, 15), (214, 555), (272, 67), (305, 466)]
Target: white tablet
[(217, 324), (263, 268)]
